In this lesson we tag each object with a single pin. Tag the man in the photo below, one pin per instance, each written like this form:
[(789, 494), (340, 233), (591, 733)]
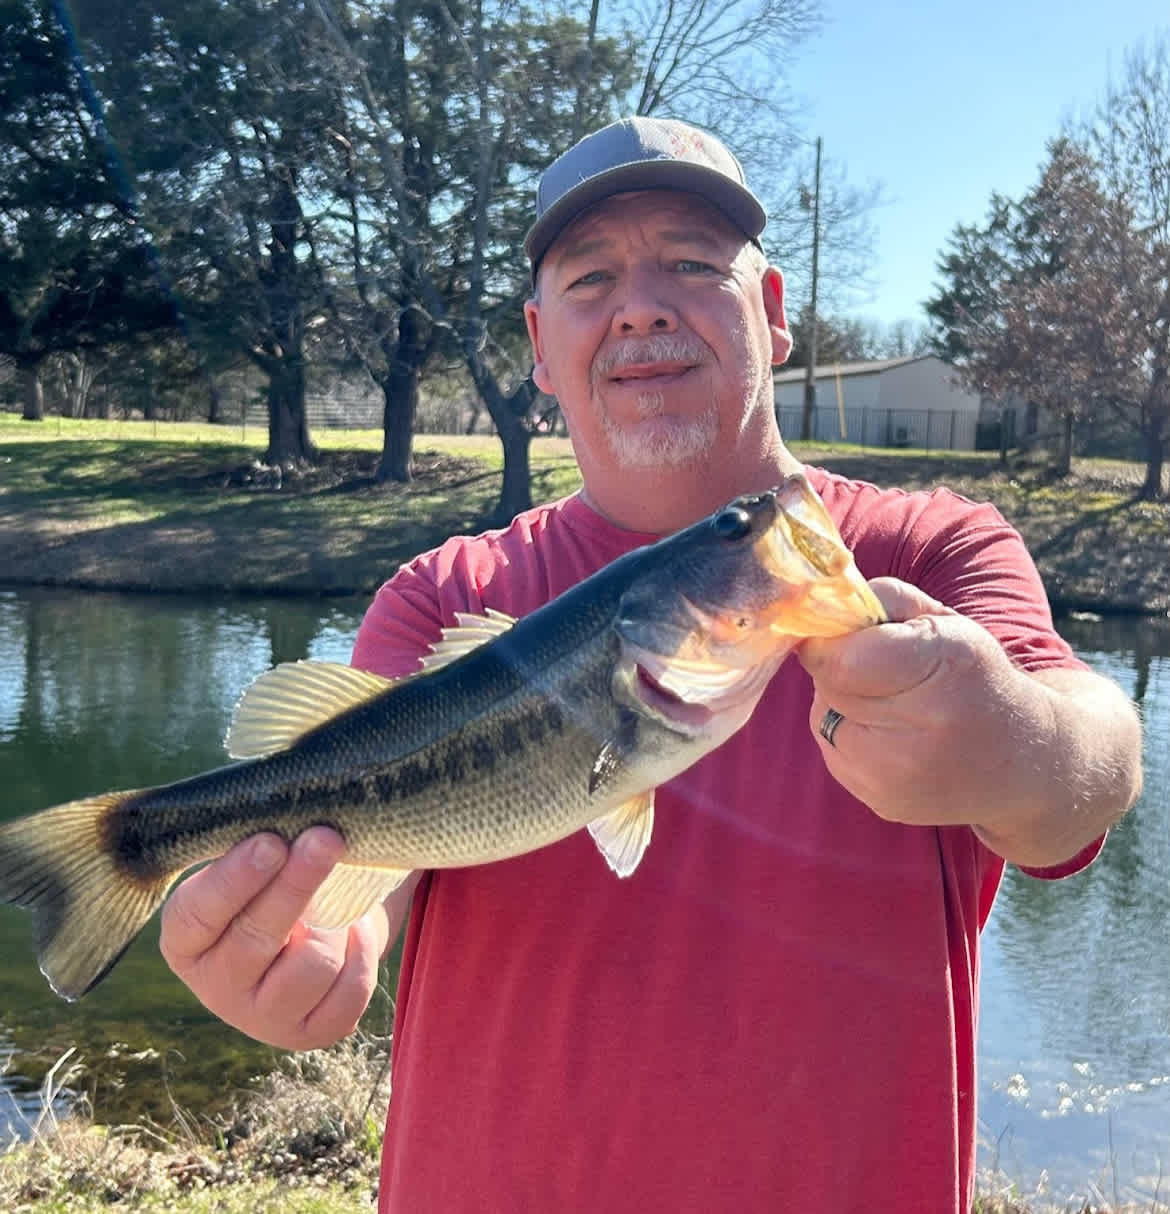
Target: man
[(777, 1010)]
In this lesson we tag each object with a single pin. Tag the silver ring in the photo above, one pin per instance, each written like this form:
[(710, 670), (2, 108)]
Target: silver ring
[(829, 723)]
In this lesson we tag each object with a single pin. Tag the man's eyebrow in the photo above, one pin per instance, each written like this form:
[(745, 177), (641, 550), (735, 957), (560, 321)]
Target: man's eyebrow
[(586, 245), (583, 246)]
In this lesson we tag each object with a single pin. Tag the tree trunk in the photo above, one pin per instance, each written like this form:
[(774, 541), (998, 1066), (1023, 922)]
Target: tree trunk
[(146, 392), (400, 393), (215, 410), (1063, 464), (288, 431), (1155, 423), (32, 391), (510, 415), (289, 443), (516, 490), (1155, 443)]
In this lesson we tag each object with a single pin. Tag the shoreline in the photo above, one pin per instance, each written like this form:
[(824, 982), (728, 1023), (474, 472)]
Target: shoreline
[(1061, 607), (197, 514)]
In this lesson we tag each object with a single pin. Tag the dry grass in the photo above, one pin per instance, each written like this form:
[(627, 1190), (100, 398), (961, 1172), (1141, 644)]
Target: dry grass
[(307, 1139)]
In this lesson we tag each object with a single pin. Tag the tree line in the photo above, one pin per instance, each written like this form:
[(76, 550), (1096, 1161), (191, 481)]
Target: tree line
[(1061, 298), (341, 187)]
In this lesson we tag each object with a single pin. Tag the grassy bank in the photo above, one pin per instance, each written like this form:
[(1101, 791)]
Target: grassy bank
[(135, 505)]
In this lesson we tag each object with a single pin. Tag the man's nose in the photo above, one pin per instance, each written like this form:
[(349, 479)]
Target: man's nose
[(644, 305)]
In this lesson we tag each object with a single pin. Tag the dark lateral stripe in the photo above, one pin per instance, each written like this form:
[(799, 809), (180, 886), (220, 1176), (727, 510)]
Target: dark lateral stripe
[(475, 751)]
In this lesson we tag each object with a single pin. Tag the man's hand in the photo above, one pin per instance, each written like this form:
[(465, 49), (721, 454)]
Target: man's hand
[(940, 728), (233, 933)]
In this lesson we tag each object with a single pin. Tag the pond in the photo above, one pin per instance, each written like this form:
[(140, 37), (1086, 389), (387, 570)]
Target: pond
[(98, 691)]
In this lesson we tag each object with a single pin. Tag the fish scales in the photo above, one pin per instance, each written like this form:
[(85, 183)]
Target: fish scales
[(398, 813)]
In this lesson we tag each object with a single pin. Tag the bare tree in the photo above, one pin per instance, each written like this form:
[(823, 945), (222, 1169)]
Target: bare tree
[(1130, 135), (715, 65), (1064, 294)]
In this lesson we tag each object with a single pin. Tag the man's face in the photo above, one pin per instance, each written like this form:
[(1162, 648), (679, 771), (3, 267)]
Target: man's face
[(655, 325)]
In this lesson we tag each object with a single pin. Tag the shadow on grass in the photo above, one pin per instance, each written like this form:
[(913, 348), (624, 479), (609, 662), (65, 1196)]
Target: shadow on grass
[(210, 534)]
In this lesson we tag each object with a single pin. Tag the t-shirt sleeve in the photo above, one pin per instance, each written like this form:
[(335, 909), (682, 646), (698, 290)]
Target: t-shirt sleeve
[(968, 556), (402, 622)]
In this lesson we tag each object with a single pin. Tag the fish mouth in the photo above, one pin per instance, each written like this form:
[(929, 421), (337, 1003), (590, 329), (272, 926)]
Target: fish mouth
[(688, 695), (668, 704)]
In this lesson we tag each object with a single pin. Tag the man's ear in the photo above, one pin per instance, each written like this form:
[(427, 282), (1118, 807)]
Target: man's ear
[(539, 367), (772, 285)]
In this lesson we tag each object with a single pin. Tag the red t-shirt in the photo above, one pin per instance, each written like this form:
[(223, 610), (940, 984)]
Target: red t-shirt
[(777, 1011)]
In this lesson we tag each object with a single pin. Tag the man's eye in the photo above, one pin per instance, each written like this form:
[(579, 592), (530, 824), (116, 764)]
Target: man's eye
[(591, 279), (689, 266)]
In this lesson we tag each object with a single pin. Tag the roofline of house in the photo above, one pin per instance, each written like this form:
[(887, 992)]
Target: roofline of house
[(832, 370)]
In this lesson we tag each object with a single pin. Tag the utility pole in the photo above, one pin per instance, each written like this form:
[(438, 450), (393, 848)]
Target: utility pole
[(810, 386)]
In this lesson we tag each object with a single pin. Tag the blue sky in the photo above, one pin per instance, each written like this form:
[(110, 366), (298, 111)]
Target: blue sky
[(944, 103)]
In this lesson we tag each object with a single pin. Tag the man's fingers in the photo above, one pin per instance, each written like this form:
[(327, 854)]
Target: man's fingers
[(903, 601), (333, 975), (876, 662), (246, 903), (881, 661), (261, 928), (201, 909)]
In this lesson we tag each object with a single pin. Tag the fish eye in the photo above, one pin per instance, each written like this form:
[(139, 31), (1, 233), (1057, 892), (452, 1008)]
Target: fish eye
[(733, 522)]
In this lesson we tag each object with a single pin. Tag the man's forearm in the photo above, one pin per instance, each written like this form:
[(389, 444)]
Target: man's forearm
[(1085, 760)]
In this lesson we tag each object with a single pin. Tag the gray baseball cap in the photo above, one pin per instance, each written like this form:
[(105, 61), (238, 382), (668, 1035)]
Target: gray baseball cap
[(640, 154)]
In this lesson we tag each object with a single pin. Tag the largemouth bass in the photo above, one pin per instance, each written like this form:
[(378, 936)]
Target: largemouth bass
[(514, 735)]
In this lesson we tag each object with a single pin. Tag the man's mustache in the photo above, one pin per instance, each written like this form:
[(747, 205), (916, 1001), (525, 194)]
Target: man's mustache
[(663, 349)]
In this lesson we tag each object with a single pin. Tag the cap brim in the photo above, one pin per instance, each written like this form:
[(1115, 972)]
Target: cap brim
[(737, 202)]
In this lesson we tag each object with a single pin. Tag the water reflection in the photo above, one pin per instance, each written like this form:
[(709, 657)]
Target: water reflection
[(100, 691), (1075, 1033), (103, 691)]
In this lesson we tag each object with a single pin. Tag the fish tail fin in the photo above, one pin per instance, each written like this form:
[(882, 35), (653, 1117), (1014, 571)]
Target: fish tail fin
[(87, 905)]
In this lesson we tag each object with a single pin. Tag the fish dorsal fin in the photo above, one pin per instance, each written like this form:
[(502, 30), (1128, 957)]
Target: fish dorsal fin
[(470, 632), (349, 891), (623, 835), (290, 700)]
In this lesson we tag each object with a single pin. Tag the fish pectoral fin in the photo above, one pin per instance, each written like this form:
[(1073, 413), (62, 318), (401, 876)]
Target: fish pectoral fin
[(349, 891), (624, 834), (470, 632), (292, 699), (614, 756)]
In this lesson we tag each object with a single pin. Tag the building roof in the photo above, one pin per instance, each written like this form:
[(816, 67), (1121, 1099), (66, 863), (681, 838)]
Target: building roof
[(832, 370)]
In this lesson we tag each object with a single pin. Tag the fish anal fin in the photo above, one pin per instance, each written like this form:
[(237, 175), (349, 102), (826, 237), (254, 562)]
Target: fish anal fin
[(469, 633), (292, 699), (349, 891), (623, 834)]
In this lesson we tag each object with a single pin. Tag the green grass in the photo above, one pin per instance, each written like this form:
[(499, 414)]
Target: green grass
[(256, 1197), (111, 504), (186, 507)]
